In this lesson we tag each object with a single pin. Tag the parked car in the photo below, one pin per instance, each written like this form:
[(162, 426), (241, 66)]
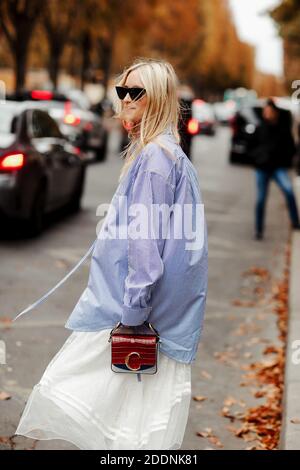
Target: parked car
[(184, 127), (243, 127), (244, 130), (40, 170), (103, 108), (203, 119), (84, 128), (224, 111)]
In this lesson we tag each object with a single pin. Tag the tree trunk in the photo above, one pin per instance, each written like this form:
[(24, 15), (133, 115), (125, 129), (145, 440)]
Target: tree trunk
[(85, 65), (20, 71), (54, 61), (106, 48), (20, 53)]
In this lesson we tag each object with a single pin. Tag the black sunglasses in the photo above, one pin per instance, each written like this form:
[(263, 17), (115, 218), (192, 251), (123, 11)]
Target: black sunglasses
[(134, 92)]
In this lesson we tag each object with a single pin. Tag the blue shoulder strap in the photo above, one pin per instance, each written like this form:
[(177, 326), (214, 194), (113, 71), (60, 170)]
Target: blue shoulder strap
[(44, 297)]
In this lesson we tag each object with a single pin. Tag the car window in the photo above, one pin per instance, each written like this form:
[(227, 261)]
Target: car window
[(258, 112), (250, 115), (44, 126), (202, 112), (53, 104), (8, 121)]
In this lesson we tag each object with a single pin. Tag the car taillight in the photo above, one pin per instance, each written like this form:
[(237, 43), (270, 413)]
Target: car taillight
[(13, 161), (77, 150), (41, 95), (193, 126), (71, 119)]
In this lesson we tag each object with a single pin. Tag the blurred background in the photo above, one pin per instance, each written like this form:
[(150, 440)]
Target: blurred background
[(61, 60), (227, 43)]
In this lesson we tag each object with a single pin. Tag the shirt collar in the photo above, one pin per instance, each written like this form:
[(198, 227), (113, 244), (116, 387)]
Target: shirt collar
[(167, 131)]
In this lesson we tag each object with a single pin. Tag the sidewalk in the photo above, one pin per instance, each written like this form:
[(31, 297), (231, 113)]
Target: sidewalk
[(290, 434)]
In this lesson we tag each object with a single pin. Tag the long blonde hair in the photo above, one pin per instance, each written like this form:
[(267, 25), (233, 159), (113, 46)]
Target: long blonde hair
[(162, 109)]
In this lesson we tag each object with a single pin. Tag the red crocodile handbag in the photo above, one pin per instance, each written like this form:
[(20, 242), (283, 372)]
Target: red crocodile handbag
[(134, 349)]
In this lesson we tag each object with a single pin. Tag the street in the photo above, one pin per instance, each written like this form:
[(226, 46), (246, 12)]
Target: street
[(239, 323)]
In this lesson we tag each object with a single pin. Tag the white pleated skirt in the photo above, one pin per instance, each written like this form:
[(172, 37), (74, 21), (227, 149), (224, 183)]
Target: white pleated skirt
[(81, 400)]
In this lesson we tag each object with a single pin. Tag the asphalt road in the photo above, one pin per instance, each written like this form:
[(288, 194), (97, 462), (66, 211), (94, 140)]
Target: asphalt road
[(233, 335)]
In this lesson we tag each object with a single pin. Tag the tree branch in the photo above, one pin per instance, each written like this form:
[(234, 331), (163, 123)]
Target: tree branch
[(6, 31)]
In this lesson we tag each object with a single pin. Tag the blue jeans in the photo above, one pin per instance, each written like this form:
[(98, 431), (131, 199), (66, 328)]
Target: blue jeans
[(281, 177)]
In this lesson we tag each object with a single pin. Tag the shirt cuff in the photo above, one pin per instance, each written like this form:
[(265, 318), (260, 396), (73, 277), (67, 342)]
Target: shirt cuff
[(135, 316)]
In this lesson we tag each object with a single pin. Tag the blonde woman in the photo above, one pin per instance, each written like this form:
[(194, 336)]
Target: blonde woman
[(161, 280)]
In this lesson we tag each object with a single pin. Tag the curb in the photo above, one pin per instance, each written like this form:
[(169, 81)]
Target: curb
[(290, 431)]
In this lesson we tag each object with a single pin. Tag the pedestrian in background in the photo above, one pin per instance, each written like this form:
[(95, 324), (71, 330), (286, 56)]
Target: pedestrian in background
[(161, 280), (273, 154)]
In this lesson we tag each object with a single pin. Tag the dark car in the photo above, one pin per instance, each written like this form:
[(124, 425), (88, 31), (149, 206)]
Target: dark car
[(244, 126), (184, 126), (224, 111), (39, 169), (103, 108), (203, 118), (84, 128)]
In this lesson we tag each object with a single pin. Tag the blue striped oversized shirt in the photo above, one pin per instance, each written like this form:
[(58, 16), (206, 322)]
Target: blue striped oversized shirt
[(157, 273)]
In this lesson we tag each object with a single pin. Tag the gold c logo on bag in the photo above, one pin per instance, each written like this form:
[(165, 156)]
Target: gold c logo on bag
[(133, 361)]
